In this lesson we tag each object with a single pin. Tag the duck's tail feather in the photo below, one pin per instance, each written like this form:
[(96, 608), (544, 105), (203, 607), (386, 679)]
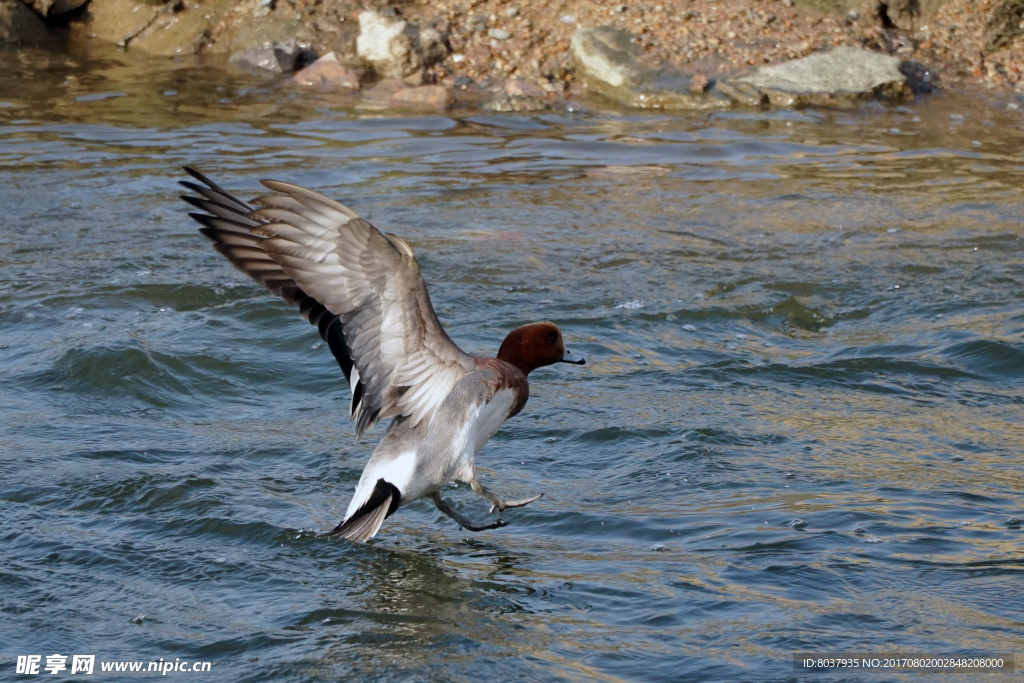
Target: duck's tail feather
[(364, 523)]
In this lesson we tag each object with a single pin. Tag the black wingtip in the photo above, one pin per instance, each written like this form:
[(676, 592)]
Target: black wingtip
[(204, 219), (194, 201), (209, 183), (195, 174)]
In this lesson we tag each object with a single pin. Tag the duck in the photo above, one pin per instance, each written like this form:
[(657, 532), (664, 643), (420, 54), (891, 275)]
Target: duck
[(363, 291)]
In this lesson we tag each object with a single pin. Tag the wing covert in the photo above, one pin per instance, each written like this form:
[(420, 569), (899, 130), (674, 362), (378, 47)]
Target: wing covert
[(361, 288)]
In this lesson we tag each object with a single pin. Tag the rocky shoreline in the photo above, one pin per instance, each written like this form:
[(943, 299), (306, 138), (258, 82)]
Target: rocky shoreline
[(521, 56)]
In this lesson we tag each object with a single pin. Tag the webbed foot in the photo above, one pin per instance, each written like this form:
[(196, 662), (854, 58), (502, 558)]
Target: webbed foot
[(464, 522), (496, 524), (501, 504)]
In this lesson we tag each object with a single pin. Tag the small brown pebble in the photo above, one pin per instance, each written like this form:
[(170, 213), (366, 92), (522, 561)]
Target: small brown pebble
[(699, 83), (520, 87), (433, 96)]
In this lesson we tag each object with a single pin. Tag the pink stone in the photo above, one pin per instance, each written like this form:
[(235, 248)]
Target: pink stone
[(327, 72), (699, 83)]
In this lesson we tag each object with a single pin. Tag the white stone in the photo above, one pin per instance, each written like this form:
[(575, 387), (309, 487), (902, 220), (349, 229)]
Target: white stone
[(377, 37), (396, 48)]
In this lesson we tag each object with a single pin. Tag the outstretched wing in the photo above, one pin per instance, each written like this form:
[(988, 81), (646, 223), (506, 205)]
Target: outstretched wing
[(362, 289)]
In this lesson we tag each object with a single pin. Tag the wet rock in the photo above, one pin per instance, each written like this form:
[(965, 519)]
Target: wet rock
[(520, 87), (1004, 25), (837, 77), (171, 28), (665, 89), (328, 73), (21, 26), (119, 21), (900, 14), (415, 78), (395, 47), (50, 8), (699, 83), (517, 103), (177, 29), (921, 79), (243, 33), (180, 27), (277, 57), (742, 93), (261, 58), (379, 95), (607, 59), (425, 96)]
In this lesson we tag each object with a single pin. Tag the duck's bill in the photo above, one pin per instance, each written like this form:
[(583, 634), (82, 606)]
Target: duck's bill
[(570, 357)]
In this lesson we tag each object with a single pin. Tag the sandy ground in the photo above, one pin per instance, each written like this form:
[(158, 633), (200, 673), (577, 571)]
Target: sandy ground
[(522, 46), (493, 40)]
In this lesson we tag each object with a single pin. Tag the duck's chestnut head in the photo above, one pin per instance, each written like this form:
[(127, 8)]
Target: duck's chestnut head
[(535, 345)]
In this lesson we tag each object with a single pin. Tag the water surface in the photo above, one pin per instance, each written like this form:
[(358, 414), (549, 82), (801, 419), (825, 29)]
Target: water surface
[(799, 429)]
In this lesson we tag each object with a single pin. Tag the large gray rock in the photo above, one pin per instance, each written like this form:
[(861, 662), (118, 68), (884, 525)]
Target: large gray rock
[(184, 28), (607, 60), (606, 56), (279, 57), (396, 48), (837, 77), (155, 27)]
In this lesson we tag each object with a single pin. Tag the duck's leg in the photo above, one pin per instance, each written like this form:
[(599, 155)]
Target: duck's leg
[(497, 502), (464, 521)]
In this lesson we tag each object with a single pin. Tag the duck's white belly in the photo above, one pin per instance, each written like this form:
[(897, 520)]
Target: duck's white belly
[(421, 461)]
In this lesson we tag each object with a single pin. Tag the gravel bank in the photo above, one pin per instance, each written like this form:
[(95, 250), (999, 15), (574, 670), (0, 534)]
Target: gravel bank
[(518, 50)]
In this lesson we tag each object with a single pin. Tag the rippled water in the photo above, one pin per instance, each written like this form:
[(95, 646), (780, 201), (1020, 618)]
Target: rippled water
[(800, 428)]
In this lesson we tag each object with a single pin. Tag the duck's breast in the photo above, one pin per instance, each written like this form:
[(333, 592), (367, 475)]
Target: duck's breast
[(469, 416), (491, 415)]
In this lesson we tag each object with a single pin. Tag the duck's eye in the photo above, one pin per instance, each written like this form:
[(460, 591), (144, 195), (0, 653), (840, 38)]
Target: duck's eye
[(552, 338)]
